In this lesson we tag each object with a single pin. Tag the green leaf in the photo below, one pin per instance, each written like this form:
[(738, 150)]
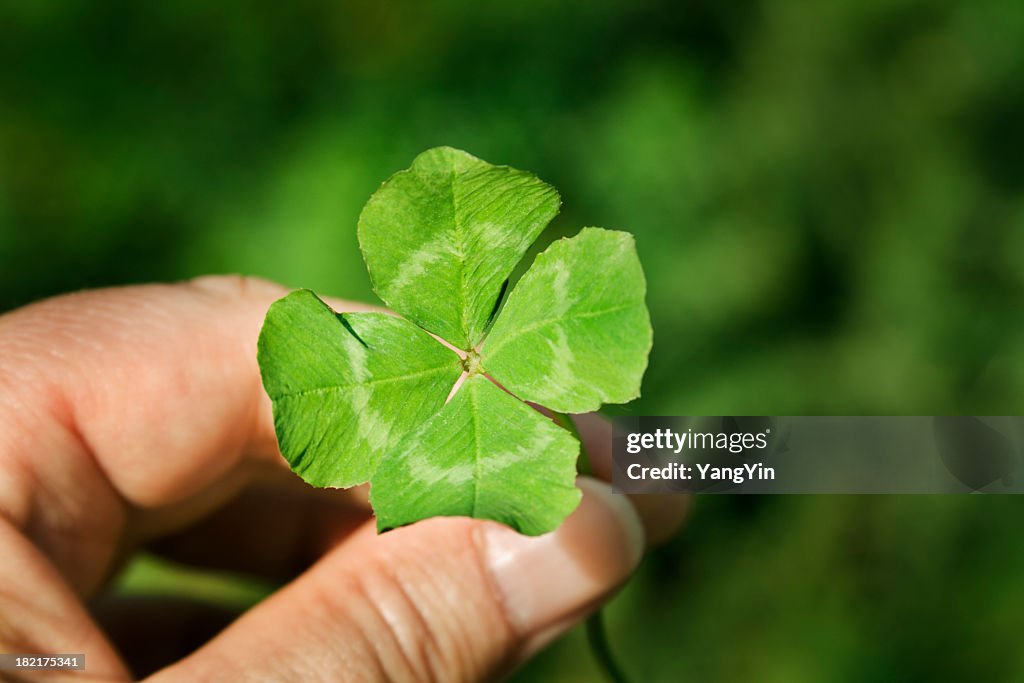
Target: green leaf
[(441, 238), (575, 332), (347, 387), (485, 455)]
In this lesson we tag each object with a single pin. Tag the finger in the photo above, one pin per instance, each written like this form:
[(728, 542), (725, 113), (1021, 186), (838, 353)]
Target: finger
[(447, 599), (156, 379), (662, 514), (129, 411), (40, 614)]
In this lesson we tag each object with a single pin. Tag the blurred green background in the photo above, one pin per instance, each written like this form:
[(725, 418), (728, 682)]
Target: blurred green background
[(828, 199)]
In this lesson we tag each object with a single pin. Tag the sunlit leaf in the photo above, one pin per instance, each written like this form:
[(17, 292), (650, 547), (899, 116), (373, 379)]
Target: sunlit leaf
[(440, 238), (485, 455), (346, 387), (575, 332)]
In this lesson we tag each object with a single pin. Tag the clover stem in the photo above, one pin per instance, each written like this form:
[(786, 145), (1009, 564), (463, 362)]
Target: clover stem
[(597, 636)]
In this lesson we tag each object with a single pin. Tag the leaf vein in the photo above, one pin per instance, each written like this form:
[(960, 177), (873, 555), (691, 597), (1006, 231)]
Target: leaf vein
[(476, 448), (356, 385), (460, 238)]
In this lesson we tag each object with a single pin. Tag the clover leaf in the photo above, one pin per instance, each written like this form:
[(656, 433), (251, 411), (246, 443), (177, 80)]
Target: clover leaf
[(371, 397)]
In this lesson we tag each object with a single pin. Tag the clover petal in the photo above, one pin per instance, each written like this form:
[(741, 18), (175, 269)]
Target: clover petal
[(441, 238), (485, 455), (575, 332), (347, 387)]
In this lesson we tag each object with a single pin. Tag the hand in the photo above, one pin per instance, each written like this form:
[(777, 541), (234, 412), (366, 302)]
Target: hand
[(134, 417)]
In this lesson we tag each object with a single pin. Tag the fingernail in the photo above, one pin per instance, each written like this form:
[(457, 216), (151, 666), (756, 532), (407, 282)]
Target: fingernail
[(547, 579)]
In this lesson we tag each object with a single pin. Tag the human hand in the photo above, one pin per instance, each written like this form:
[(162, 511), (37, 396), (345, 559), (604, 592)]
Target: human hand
[(134, 417)]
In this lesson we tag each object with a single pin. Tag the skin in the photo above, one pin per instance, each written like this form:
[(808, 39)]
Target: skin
[(134, 417)]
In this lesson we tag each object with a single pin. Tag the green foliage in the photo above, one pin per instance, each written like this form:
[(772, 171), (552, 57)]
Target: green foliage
[(358, 397)]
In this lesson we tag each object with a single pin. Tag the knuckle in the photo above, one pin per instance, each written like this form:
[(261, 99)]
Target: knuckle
[(432, 611)]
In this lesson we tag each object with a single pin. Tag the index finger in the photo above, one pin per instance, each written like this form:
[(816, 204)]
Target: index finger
[(158, 382), (127, 400)]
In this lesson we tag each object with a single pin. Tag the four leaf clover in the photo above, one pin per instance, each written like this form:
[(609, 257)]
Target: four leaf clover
[(372, 397)]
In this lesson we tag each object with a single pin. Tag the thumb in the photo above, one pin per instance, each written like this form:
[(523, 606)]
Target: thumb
[(448, 599)]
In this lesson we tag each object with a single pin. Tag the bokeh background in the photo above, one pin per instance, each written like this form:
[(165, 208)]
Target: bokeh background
[(828, 199)]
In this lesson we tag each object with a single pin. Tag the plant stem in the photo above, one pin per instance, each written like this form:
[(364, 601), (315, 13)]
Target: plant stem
[(597, 637)]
